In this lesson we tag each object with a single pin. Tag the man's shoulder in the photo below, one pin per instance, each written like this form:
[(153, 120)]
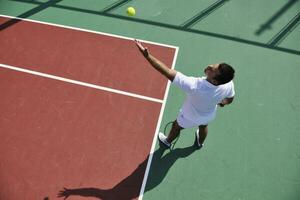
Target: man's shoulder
[(229, 84)]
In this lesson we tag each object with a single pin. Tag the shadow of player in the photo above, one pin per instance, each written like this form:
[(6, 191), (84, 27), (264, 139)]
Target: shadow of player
[(126, 189)]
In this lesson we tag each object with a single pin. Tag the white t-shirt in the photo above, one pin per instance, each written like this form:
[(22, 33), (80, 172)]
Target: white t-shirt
[(202, 97)]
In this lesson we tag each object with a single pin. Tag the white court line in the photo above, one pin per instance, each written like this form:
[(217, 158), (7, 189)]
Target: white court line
[(88, 31), (156, 131), (89, 85), (156, 100)]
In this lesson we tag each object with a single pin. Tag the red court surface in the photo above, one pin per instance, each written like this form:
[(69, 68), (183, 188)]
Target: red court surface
[(56, 134), (83, 56)]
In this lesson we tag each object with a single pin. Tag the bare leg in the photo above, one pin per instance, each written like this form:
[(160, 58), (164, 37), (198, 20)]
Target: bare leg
[(174, 132), (203, 130)]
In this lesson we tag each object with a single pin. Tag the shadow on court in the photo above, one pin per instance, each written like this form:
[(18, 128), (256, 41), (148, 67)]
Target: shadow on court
[(29, 13), (278, 14), (186, 26), (126, 189)]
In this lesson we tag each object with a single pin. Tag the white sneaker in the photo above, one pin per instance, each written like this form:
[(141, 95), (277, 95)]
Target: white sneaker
[(197, 143), (163, 139)]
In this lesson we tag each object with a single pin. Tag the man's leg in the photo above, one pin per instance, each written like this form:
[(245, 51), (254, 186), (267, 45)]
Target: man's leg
[(203, 130), (174, 132)]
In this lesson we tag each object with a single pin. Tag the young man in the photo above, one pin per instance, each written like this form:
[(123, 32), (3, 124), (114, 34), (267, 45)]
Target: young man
[(203, 95)]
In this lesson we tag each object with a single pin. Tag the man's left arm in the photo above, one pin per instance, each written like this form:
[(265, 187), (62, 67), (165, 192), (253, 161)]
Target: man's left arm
[(230, 96), (226, 101)]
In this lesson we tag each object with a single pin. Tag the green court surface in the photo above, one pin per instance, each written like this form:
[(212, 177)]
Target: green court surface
[(253, 147)]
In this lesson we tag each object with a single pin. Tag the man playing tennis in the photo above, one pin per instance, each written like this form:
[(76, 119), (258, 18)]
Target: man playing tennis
[(203, 95)]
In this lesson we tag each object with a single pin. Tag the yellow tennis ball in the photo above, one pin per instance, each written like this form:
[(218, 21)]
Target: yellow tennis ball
[(130, 11)]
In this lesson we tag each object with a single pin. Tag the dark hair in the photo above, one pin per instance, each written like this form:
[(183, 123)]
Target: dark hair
[(226, 74)]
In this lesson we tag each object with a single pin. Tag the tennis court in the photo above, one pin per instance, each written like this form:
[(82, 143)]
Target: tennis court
[(81, 108)]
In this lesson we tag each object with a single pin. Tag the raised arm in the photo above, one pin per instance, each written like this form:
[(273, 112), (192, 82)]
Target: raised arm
[(156, 64)]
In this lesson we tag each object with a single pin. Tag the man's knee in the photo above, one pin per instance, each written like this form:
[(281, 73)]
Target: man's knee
[(176, 125)]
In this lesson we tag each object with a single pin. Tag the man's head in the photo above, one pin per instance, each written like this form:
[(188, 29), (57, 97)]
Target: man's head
[(219, 74)]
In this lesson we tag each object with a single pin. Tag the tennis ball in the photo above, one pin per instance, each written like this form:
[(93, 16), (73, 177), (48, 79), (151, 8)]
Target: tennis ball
[(130, 11)]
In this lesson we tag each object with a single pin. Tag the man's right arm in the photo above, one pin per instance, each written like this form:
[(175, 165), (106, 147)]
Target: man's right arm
[(156, 64), (161, 67)]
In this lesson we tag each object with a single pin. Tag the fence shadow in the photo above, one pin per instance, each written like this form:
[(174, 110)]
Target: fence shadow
[(29, 13), (184, 27)]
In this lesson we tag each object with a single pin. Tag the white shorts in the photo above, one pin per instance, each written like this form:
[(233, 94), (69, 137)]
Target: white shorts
[(187, 123)]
